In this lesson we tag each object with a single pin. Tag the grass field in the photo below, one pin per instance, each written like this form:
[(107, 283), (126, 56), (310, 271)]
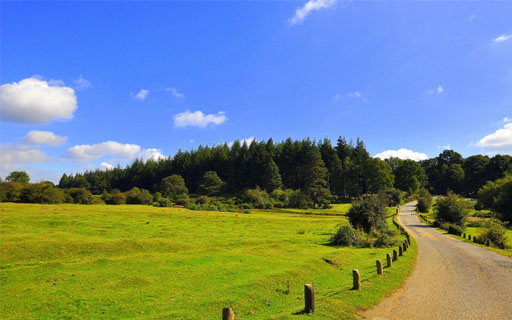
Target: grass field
[(117, 262)]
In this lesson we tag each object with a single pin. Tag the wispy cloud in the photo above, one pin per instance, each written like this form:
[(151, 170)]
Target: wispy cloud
[(142, 94), (81, 83), (507, 119), (175, 93), (437, 90), (310, 6), (502, 38), (44, 137), (356, 95)]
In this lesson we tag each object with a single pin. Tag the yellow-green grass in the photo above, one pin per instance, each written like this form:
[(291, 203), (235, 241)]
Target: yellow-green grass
[(112, 262)]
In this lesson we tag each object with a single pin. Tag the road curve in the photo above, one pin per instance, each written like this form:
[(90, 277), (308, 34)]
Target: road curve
[(452, 279)]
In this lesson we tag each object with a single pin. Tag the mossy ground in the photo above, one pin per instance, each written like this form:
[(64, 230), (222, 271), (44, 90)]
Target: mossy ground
[(112, 262)]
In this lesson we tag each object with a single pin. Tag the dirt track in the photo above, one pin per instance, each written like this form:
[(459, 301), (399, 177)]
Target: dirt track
[(451, 280)]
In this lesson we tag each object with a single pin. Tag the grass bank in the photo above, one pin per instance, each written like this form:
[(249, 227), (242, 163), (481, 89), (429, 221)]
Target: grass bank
[(109, 262)]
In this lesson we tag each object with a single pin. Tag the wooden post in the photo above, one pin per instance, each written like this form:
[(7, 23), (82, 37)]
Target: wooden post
[(227, 314), (357, 279), (288, 288), (379, 267), (400, 251), (474, 239), (404, 246), (395, 255), (388, 258), (469, 237), (309, 298), (464, 235)]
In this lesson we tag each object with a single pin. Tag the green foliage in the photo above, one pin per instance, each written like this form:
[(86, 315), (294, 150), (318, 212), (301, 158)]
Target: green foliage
[(368, 214), (347, 236), (494, 235), (386, 239), (258, 198), (497, 196), (455, 229), (116, 197), (424, 201), (42, 192), (409, 175), (18, 176), (211, 183), (173, 186), (11, 191), (162, 202), (80, 195), (392, 197), (271, 179), (451, 209)]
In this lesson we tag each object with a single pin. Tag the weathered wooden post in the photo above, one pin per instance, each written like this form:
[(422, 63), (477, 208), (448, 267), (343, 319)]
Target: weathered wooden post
[(474, 239), (309, 298), (227, 314), (400, 251), (404, 246), (469, 237), (464, 235), (379, 267), (395, 255), (388, 258), (357, 279)]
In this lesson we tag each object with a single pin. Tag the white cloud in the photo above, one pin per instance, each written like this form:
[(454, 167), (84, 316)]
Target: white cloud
[(507, 119), (502, 38), (404, 154), (151, 154), (56, 83), (11, 156), (142, 94), (446, 147), (175, 93), (437, 90), (198, 119), (499, 141), (247, 141), (44, 137), (310, 6), (356, 95), (106, 166), (81, 83), (36, 101), (90, 152)]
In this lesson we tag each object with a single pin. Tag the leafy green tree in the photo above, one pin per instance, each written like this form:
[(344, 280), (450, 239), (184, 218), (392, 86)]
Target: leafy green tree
[(173, 186), (18, 176), (497, 196), (11, 191), (424, 201), (211, 183), (451, 209), (80, 195), (368, 214), (409, 176), (271, 179), (42, 192)]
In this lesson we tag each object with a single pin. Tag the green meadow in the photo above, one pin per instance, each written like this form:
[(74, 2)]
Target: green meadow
[(119, 262)]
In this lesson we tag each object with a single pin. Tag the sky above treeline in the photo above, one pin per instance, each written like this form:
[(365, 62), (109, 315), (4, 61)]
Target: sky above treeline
[(88, 85)]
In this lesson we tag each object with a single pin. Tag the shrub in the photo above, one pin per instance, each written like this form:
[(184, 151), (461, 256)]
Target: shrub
[(11, 191), (281, 198), (455, 229), (346, 236), (386, 239), (495, 234), (258, 198), (452, 209), (203, 200), (424, 201), (368, 213), (393, 197), (299, 199), (80, 195), (115, 198), (43, 192), (163, 202), (210, 183)]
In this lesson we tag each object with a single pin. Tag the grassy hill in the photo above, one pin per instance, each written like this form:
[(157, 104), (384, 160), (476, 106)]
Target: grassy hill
[(110, 262)]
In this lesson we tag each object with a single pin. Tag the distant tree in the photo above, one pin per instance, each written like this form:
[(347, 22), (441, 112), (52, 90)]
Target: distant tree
[(173, 186), (80, 195), (409, 176), (11, 191), (475, 175), (368, 214), (42, 192), (315, 175), (271, 179), (451, 209), (497, 196), (211, 183), (18, 176), (424, 201)]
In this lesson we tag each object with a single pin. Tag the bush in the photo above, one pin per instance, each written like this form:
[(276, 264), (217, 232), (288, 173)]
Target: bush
[(138, 196), (495, 235), (386, 239), (80, 195), (258, 198), (368, 213), (346, 236), (11, 191), (455, 229), (115, 198), (281, 198), (162, 202), (452, 209), (299, 199), (424, 201), (203, 200), (43, 192), (393, 197)]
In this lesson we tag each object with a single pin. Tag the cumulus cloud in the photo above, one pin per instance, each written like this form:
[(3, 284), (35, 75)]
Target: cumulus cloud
[(151, 154), (404, 154), (310, 6), (11, 155), (198, 119), (142, 94), (89, 152), (36, 101), (81, 83), (106, 166), (499, 141), (175, 93), (502, 38), (44, 137)]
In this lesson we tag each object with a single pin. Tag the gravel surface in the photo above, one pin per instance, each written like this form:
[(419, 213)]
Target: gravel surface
[(451, 280)]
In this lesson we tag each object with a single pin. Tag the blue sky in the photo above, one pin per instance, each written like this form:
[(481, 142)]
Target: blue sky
[(91, 84)]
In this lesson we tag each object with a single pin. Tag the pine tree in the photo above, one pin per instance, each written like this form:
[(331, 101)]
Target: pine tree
[(271, 178)]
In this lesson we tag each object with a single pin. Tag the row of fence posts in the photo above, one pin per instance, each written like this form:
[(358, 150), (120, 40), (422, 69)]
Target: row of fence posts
[(309, 291), (463, 235)]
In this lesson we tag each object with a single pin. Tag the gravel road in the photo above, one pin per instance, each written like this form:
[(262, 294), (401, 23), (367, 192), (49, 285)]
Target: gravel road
[(451, 280)]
